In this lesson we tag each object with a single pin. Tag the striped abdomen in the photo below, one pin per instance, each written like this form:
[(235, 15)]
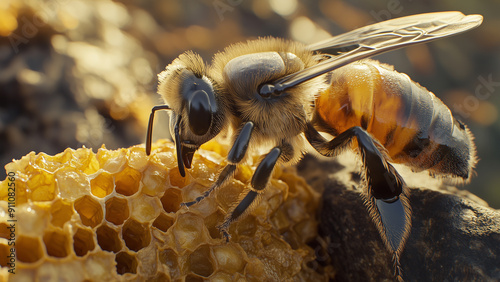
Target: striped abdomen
[(414, 126)]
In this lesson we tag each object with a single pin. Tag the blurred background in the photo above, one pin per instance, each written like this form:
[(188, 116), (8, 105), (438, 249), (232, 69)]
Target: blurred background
[(83, 72)]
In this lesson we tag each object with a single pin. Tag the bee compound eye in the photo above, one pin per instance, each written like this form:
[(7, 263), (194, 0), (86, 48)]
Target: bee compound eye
[(199, 112)]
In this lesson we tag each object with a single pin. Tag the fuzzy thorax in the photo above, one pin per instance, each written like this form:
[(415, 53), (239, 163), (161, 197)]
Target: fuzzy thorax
[(242, 68)]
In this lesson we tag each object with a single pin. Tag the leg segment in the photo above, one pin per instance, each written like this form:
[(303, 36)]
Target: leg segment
[(235, 156), (225, 175), (259, 182), (386, 199)]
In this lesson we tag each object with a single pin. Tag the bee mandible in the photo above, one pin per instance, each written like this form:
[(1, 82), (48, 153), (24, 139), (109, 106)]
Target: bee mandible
[(280, 95)]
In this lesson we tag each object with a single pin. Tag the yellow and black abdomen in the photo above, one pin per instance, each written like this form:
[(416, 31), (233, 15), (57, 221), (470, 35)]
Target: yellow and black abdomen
[(414, 126)]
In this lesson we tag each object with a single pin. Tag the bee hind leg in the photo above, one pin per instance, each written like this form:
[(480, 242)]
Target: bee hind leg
[(386, 197), (259, 182)]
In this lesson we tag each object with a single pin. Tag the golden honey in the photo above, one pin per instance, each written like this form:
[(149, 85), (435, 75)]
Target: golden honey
[(116, 215)]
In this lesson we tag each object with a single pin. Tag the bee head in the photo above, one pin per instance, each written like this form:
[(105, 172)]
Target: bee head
[(195, 113)]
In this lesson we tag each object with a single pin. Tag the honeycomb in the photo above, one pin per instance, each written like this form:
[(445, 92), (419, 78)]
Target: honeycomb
[(116, 215)]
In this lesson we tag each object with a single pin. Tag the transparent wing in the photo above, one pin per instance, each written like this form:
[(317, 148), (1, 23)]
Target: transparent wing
[(379, 38), (402, 31)]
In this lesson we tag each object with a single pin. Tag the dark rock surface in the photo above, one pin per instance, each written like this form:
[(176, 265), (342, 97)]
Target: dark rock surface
[(455, 236)]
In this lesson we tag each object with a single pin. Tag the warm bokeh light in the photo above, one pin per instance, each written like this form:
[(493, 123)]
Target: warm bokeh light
[(469, 106), (8, 22), (199, 37), (344, 14), (262, 9), (284, 7), (421, 58), (304, 30)]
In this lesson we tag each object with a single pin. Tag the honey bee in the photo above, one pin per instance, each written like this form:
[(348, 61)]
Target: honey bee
[(280, 95)]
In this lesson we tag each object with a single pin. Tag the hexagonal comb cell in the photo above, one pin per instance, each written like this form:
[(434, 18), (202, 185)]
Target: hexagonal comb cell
[(108, 239), (229, 257), (127, 181), (102, 185), (4, 259), (154, 179), (83, 242), (194, 278), (176, 179), (61, 212), (90, 211), (71, 183), (136, 235), (28, 249), (171, 200), (56, 244), (112, 161), (126, 263), (170, 258), (189, 231), (163, 222), (117, 210), (201, 261), (212, 221), (4, 231), (43, 186)]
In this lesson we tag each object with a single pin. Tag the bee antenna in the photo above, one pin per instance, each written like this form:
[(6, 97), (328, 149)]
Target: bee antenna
[(149, 135)]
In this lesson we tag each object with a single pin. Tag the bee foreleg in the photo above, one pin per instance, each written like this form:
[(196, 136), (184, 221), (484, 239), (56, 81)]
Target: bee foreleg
[(386, 197), (224, 176), (235, 156), (259, 182)]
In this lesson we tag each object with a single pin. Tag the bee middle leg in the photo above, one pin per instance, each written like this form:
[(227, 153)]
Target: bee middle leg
[(259, 182), (386, 199)]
